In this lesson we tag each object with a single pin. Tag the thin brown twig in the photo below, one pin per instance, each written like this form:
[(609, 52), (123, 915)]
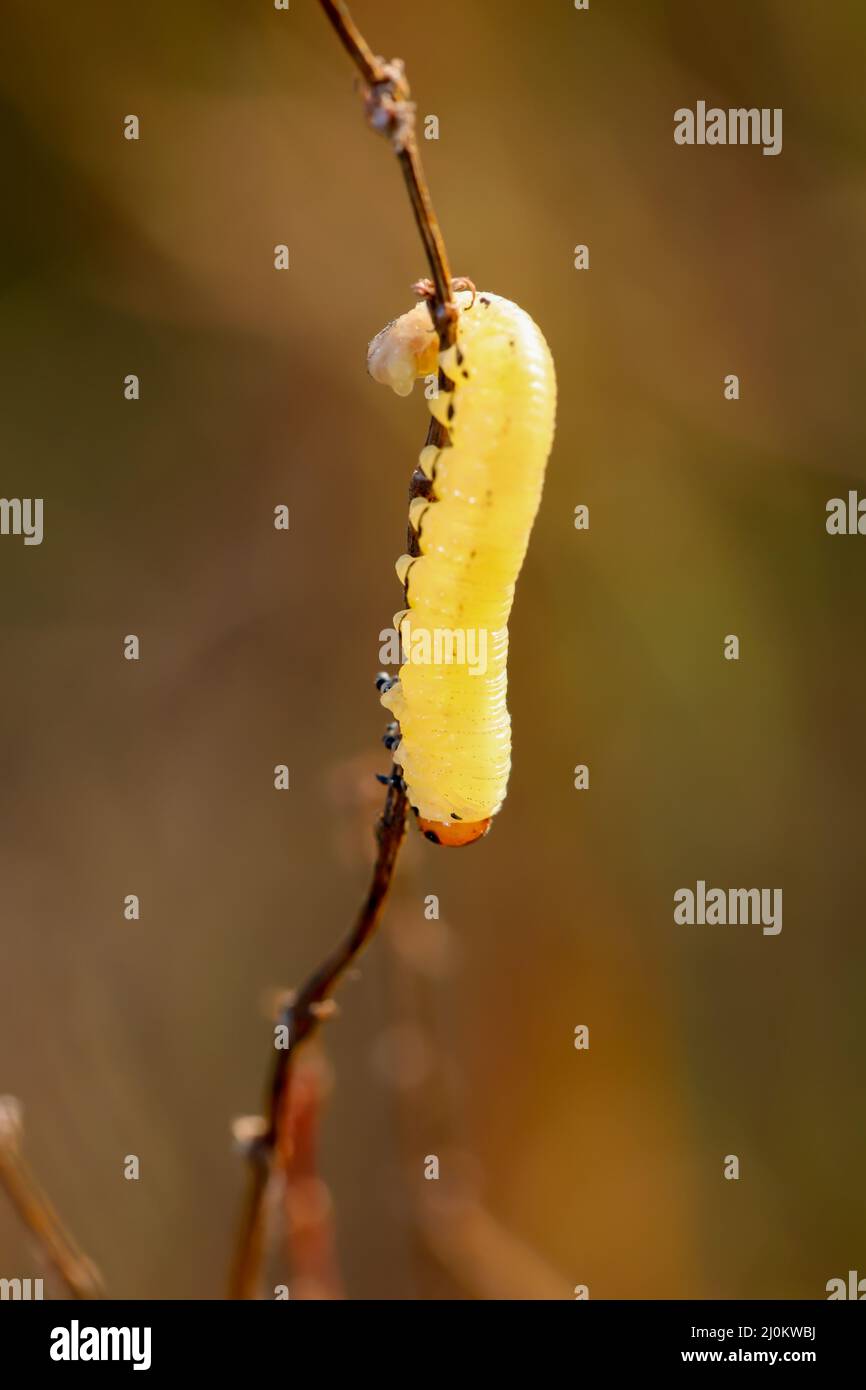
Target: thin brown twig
[(307, 1201), (390, 112), (78, 1273), (301, 1017)]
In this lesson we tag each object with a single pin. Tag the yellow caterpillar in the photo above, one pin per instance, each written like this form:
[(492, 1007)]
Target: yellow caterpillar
[(472, 533)]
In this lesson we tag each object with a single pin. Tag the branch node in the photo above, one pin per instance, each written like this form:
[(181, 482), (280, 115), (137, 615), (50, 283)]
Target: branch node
[(249, 1133), (387, 105), (324, 1009)]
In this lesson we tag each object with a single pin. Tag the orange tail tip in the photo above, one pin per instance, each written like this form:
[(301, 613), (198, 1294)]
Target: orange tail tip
[(456, 832)]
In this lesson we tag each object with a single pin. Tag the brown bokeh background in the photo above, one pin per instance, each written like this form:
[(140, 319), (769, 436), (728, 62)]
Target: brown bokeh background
[(707, 518)]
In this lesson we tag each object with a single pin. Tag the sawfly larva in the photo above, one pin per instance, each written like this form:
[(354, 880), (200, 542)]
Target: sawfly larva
[(472, 532)]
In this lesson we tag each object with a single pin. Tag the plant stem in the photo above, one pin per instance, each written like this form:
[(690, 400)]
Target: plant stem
[(389, 111)]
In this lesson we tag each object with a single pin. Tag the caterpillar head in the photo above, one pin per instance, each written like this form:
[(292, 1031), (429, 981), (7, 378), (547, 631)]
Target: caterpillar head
[(404, 350), (454, 833)]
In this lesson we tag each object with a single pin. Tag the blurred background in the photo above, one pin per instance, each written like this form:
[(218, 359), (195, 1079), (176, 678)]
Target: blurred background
[(602, 1167)]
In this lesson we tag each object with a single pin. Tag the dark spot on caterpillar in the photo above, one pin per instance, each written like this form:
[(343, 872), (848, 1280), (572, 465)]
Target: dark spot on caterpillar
[(454, 816), (414, 810), (428, 835), (450, 411), (459, 357), (511, 342), (465, 375), (485, 302), (472, 554)]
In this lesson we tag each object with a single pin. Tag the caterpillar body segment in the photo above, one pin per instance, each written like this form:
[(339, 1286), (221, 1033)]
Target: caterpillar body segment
[(472, 533)]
